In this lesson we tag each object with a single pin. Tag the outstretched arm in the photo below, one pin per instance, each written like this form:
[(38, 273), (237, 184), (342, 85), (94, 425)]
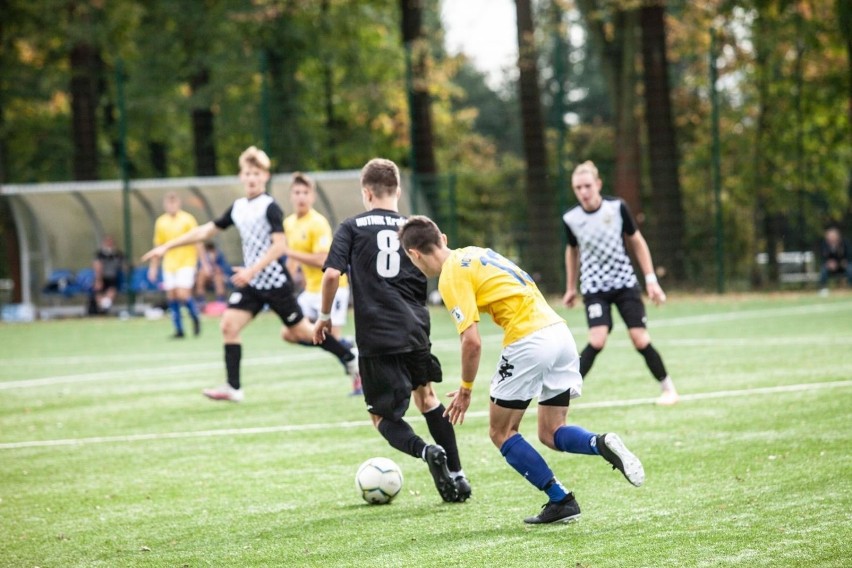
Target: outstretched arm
[(197, 234)]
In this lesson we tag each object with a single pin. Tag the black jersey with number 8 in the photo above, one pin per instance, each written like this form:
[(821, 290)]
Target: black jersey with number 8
[(388, 291)]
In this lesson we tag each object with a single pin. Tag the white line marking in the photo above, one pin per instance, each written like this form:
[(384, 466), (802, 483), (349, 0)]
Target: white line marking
[(284, 358), (146, 372), (366, 423)]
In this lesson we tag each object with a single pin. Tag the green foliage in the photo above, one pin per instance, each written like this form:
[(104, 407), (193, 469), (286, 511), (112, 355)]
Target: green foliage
[(336, 97), (110, 456)]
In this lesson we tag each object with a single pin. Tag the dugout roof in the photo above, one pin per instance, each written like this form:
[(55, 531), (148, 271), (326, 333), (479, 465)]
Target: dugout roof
[(60, 225)]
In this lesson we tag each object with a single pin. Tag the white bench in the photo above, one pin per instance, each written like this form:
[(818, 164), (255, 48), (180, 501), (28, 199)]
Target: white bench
[(793, 266)]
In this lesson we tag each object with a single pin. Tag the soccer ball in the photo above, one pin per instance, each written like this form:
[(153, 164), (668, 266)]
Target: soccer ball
[(378, 480)]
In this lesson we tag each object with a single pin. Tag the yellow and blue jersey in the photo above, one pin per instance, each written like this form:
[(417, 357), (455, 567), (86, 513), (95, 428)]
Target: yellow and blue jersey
[(475, 279), (310, 234), (169, 227)]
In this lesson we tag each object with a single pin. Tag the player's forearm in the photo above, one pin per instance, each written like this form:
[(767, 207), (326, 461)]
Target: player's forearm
[(572, 265), (330, 284), (643, 254), (276, 251), (314, 259), (195, 235), (471, 351)]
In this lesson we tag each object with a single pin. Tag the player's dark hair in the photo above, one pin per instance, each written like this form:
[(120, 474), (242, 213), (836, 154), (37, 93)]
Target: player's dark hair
[(420, 233), (380, 176), (302, 179)]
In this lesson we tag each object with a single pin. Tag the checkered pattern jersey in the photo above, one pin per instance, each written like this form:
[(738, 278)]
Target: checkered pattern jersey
[(256, 219), (604, 263)]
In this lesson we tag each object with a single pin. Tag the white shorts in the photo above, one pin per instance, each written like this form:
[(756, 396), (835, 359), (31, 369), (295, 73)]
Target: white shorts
[(543, 364), (182, 278), (310, 302)]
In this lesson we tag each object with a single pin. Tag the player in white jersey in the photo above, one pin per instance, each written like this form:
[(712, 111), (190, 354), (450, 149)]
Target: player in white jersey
[(597, 231), (262, 280)]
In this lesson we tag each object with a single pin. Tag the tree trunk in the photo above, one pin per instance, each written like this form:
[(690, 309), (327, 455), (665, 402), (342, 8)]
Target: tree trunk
[(844, 17), (424, 164), (542, 258), (85, 68), (628, 148), (332, 123), (666, 231), (204, 147), (157, 152), (284, 108), (618, 58)]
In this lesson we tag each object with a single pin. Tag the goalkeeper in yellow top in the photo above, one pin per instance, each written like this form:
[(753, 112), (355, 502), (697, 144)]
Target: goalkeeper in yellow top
[(179, 264), (308, 240), (539, 359)]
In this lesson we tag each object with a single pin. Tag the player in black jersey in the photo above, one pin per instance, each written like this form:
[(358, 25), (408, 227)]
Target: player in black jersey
[(263, 280), (597, 230), (391, 328)]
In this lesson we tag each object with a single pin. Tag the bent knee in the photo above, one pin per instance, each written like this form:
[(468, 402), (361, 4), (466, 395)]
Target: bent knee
[(546, 438)]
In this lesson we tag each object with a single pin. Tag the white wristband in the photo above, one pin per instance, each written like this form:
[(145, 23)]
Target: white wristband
[(650, 278), (324, 317)]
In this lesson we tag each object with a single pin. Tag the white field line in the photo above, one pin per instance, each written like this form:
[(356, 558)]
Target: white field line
[(366, 423), (671, 322), (203, 360), (313, 354), (739, 315), (148, 371)]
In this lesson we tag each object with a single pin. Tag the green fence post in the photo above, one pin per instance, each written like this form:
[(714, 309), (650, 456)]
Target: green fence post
[(716, 167), (125, 181)]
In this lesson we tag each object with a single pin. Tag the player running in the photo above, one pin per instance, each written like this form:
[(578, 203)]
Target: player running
[(539, 359), (392, 328)]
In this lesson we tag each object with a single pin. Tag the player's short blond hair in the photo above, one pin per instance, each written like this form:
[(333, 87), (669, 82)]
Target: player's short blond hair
[(587, 167), (255, 157)]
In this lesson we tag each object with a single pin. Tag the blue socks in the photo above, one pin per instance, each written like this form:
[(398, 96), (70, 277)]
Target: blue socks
[(193, 308), (527, 461), (575, 440), (174, 307)]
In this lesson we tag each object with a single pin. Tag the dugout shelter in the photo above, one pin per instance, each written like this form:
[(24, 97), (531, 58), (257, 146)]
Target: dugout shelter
[(58, 226)]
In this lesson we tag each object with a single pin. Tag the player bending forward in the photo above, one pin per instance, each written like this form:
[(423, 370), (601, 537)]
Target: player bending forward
[(539, 359)]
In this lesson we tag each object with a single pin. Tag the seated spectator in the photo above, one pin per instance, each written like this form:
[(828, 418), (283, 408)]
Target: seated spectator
[(109, 270), (214, 277), (835, 258)]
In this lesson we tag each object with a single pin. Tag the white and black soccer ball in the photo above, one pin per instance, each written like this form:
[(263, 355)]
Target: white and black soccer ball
[(378, 480)]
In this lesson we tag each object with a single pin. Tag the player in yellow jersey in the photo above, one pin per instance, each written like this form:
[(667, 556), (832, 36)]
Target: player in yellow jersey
[(179, 264), (308, 240), (539, 359)]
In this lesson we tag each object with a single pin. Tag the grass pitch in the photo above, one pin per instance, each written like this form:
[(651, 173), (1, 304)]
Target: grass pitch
[(110, 456)]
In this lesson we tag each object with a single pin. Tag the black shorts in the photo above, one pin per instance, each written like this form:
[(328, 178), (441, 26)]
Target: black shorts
[(388, 380), (627, 300), (280, 300)]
